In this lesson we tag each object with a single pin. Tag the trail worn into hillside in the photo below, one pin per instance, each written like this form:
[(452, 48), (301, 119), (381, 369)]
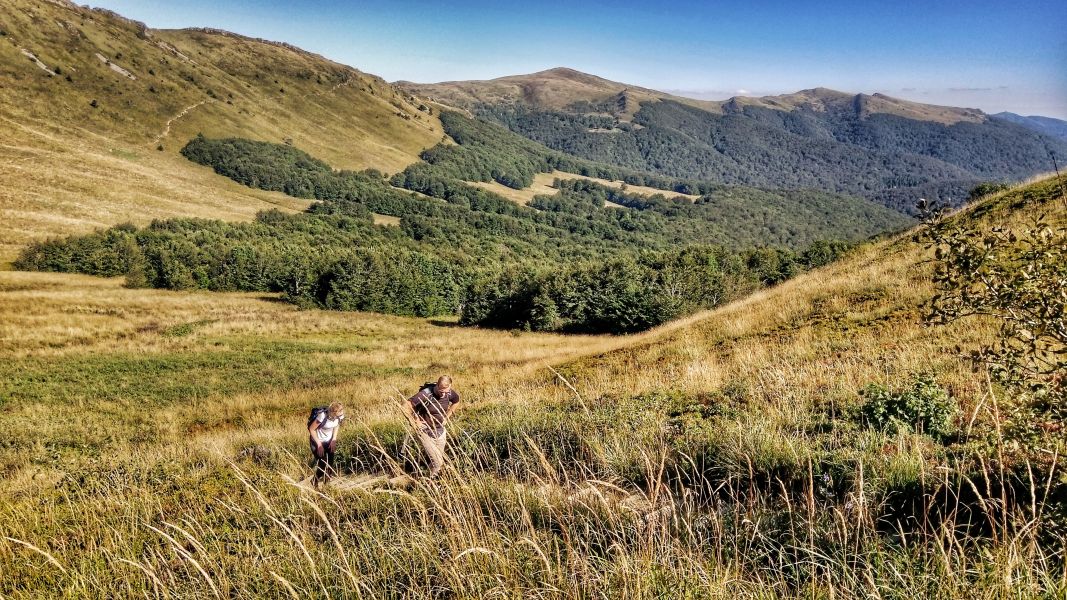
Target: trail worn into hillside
[(182, 113)]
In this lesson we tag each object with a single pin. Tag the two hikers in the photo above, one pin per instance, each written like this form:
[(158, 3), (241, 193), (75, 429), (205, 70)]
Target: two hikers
[(323, 426), (428, 411)]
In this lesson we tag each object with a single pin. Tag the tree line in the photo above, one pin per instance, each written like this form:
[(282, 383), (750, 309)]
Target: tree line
[(568, 262)]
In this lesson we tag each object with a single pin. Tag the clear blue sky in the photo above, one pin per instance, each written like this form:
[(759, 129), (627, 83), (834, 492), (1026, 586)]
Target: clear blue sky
[(993, 55)]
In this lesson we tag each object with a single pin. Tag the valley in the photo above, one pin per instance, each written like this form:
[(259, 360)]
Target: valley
[(803, 345)]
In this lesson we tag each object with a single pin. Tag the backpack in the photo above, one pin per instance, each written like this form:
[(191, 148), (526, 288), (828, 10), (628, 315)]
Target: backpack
[(315, 412)]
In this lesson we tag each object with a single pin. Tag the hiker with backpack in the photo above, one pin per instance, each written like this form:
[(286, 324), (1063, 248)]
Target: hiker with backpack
[(324, 423), (429, 411)]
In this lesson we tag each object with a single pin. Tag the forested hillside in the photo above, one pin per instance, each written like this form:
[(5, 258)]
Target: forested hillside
[(570, 261), (888, 158), (881, 148)]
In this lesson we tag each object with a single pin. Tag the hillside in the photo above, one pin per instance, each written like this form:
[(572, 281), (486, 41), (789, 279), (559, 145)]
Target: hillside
[(885, 149), (587, 258), (554, 89), (87, 98), (563, 89), (1056, 128), (720, 456)]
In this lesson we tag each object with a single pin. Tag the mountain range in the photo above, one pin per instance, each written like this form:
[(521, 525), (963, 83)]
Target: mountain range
[(1056, 128), (888, 150), (96, 107)]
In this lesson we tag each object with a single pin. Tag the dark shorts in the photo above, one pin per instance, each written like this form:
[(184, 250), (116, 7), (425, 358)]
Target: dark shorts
[(327, 447), (324, 459)]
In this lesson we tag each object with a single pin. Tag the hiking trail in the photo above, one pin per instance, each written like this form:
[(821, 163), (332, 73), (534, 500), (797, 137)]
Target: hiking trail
[(170, 121), (357, 481)]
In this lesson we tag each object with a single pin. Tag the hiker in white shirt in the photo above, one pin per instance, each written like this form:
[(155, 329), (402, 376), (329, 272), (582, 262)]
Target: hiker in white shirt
[(324, 424)]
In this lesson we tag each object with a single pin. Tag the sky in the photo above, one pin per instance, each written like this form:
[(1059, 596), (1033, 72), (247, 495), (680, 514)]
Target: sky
[(992, 55)]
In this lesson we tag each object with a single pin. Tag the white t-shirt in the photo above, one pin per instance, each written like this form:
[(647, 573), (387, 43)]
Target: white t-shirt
[(327, 427)]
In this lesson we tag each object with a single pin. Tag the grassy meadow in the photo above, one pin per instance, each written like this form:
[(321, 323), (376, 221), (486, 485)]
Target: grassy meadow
[(152, 441), (83, 146), (542, 186)]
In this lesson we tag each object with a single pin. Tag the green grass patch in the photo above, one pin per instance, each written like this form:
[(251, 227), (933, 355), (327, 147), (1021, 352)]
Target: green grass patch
[(220, 367)]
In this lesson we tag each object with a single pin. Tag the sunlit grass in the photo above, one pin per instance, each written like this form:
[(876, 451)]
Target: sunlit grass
[(153, 440)]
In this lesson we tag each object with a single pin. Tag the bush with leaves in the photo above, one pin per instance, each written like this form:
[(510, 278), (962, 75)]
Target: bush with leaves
[(617, 296), (925, 407), (1017, 276), (986, 188)]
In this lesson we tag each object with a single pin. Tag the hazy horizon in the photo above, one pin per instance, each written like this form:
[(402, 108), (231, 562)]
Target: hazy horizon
[(981, 55)]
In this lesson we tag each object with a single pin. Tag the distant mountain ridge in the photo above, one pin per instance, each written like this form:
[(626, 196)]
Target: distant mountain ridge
[(1056, 128), (889, 150), (563, 88), (560, 88), (865, 105)]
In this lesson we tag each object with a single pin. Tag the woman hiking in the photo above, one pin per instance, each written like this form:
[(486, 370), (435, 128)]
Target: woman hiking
[(324, 424)]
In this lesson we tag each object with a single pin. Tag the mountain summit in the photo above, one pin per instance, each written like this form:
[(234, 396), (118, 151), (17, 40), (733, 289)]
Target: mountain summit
[(560, 88), (563, 88), (883, 148)]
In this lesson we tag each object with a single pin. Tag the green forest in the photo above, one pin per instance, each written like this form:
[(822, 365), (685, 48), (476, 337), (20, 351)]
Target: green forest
[(889, 159), (567, 262)]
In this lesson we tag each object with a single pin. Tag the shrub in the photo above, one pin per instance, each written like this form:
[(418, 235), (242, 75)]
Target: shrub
[(1018, 277), (987, 188), (924, 408)]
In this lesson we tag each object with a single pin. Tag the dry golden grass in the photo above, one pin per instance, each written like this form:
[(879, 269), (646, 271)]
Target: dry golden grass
[(67, 166), (783, 355), (55, 186), (386, 220), (542, 186)]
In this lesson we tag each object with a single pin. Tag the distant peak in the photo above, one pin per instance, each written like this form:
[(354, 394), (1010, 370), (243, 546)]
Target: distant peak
[(824, 92), (561, 71)]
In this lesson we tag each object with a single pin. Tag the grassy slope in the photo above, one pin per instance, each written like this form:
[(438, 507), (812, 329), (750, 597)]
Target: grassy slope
[(554, 89), (150, 395), (70, 167), (542, 186), (560, 88)]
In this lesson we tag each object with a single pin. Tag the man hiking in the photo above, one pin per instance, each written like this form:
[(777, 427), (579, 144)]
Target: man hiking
[(324, 424), (429, 411)]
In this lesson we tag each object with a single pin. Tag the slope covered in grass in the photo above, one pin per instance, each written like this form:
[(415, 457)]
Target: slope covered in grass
[(720, 456), (83, 118)]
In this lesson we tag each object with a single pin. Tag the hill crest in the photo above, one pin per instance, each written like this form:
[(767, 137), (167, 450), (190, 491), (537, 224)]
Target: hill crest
[(564, 88), (89, 97), (559, 88)]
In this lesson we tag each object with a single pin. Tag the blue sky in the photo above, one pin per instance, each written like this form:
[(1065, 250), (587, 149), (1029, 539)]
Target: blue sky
[(982, 54)]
